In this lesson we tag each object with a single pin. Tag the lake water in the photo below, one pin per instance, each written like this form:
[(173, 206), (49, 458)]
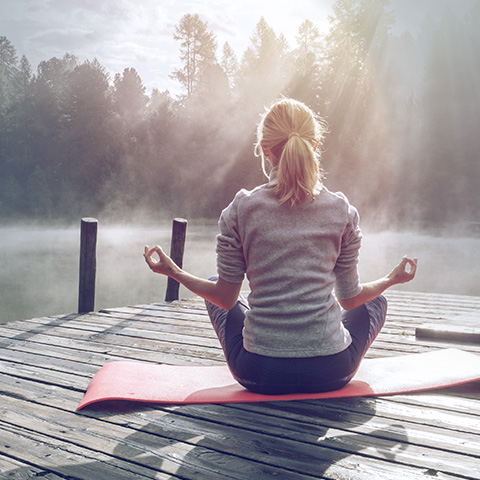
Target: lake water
[(39, 265)]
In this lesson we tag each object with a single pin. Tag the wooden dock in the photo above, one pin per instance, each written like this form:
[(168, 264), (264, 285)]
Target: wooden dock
[(46, 364)]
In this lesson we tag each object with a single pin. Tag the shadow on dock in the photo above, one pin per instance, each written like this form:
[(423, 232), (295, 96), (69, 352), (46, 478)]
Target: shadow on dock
[(172, 444)]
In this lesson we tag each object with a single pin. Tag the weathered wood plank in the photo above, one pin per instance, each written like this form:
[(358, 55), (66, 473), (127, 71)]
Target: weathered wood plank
[(373, 414), (68, 460), (175, 450), (194, 438), (96, 353), (307, 414), (449, 333), (101, 323), (14, 470), (94, 327), (175, 346)]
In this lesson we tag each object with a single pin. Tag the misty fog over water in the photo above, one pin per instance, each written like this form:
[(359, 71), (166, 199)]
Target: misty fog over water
[(39, 273), (397, 84)]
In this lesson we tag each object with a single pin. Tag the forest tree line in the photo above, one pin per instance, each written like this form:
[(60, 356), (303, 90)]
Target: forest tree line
[(403, 112)]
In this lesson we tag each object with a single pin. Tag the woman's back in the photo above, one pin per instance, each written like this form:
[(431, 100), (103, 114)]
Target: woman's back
[(291, 258)]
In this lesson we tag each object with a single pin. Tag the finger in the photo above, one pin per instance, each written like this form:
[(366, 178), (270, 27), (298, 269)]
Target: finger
[(148, 258), (407, 259), (150, 261), (147, 253), (403, 264), (413, 266)]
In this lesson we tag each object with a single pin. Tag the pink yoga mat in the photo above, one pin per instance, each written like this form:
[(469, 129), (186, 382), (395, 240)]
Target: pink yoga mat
[(147, 382)]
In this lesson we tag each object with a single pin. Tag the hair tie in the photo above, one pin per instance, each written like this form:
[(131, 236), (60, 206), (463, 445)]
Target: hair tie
[(294, 134)]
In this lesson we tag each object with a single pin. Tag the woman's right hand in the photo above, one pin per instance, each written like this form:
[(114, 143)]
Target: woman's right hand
[(404, 272)]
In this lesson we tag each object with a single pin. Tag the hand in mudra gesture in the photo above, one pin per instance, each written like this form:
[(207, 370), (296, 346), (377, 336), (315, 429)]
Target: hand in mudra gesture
[(164, 265), (404, 272)]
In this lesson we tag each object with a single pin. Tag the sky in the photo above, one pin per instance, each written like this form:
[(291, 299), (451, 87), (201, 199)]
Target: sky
[(139, 33)]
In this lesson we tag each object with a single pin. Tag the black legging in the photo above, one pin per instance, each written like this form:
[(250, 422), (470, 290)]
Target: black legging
[(274, 375)]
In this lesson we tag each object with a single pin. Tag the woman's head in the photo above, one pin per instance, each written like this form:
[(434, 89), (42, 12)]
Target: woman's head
[(288, 135)]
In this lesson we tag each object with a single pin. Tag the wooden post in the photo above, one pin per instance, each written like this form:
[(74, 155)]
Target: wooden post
[(88, 265), (179, 230)]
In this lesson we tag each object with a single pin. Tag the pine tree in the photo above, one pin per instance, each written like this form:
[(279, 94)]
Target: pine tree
[(229, 63), (130, 97), (306, 83), (8, 72), (265, 68), (8, 77), (197, 51)]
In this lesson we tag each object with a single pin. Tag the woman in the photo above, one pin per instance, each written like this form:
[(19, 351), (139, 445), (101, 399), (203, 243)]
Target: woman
[(296, 242)]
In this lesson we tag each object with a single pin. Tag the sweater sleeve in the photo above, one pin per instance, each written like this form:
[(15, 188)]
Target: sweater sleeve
[(346, 271), (231, 264)]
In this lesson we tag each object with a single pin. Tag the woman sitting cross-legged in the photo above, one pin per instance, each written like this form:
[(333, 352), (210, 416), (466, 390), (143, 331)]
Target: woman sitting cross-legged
[(297, 243)]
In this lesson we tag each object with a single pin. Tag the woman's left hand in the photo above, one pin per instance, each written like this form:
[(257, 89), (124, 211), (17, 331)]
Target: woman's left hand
[(164, 265)]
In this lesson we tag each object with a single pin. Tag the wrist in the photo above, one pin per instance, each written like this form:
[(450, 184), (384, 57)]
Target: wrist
[(389, 281), (175, 272)]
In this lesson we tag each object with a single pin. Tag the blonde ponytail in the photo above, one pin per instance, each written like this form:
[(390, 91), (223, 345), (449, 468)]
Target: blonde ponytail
[(292, 133)]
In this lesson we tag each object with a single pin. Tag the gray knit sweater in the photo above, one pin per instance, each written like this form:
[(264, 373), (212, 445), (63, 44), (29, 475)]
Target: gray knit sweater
[(293, 259)]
